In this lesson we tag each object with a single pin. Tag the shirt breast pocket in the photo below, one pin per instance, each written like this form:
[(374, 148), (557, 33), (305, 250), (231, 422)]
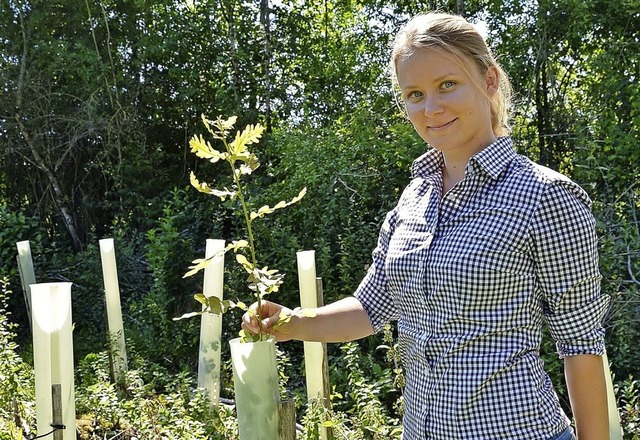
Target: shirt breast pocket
[(407, 255), (488, 277), (495, 253)]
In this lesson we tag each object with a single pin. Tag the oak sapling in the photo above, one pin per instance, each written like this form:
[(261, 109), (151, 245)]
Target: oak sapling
[(242, 162)]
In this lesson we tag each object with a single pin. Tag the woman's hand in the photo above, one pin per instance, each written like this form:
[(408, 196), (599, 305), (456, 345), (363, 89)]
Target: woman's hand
[(269, 314)]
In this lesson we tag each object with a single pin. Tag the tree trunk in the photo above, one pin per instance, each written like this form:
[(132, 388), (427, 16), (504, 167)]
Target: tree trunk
[(61, 200), (543, 113), (264, 19), (228, 12)]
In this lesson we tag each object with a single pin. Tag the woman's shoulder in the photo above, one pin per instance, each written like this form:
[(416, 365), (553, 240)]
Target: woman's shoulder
[(552, 183)]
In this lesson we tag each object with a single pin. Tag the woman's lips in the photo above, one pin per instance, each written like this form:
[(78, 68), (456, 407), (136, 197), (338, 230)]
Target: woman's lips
[(440, 127)]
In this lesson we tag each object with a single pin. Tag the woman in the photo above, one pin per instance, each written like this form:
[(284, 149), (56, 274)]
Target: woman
[(483, 246)]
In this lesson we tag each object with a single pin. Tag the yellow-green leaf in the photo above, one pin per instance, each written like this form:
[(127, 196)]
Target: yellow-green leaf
[(187, 315), (227, 124), (266, 209), (308, 313), (204, 188), (244, 262), (200, 186), (204, 150), (250, 135), (283, 318), (206, 121), (237, 245), (300, 195), (198, 265), (242, 306)]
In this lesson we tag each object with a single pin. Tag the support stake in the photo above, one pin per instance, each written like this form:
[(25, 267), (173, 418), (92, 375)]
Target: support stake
[(56, 403), (287, 419)]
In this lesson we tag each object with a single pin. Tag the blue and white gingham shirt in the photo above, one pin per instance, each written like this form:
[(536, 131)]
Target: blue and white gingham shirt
[(469, 278)]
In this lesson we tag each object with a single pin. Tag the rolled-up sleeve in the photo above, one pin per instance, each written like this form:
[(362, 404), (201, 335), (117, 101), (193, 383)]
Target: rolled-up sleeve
[(566, 255), (373, 292)]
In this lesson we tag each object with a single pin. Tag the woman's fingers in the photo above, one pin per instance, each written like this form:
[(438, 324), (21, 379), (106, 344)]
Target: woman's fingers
[(269, 315), (266, 314)]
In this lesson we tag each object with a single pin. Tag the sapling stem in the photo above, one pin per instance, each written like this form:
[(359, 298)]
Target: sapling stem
[(247, 220)]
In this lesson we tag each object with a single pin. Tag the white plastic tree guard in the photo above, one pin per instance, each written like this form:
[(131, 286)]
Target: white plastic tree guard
[(211, 325), (53, 354), (27, 275), (255, 382), (314, 352), (117, 346)]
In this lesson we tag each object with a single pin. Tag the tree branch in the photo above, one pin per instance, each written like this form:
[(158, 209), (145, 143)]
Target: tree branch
[(630, 267)]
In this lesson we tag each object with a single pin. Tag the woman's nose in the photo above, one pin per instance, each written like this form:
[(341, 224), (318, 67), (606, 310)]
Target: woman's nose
[(432, 106)]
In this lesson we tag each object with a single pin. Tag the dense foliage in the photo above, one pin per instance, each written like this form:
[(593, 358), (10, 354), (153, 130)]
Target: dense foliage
[(98, 101)]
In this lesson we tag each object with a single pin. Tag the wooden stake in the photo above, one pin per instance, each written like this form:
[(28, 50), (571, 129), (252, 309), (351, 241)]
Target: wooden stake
[(326, 390), (287, 419), (56, 403)]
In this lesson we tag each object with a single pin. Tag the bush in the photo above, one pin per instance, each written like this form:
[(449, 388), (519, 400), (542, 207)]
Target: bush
[(16, 226), (17, 393)]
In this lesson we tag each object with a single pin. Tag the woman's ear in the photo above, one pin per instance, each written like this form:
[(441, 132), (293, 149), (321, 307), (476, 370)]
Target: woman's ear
[(492, 78)]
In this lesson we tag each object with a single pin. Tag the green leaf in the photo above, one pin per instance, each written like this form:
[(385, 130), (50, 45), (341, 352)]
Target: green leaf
[(217, 306), (252, 162), (248, 337), (201, 299)]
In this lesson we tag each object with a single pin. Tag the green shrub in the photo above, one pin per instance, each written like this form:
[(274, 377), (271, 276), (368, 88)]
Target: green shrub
[(17, 226), (180, 411), (628, 395), (16, 378)]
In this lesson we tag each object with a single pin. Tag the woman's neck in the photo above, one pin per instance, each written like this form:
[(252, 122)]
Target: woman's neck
[(455, 162), (451, 175)]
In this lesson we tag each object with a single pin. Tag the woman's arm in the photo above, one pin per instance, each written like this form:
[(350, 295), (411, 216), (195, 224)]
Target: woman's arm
[(343, 320), (588, 395)]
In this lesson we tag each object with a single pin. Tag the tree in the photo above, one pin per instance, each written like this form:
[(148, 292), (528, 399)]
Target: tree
[(55, 121)]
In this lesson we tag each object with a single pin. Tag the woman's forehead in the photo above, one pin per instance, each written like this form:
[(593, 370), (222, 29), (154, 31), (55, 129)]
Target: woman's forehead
[(429, 63)]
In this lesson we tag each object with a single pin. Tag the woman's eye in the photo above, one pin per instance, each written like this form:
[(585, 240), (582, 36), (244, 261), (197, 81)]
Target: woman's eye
[(448, 84), (414, 94)]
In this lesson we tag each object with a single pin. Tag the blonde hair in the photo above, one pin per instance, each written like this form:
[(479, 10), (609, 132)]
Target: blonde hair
[(460, 38)]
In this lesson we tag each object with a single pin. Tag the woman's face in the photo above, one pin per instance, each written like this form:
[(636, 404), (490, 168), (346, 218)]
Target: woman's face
[(448, 104)]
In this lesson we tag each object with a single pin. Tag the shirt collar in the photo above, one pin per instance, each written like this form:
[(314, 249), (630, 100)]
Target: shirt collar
[(493, 160)]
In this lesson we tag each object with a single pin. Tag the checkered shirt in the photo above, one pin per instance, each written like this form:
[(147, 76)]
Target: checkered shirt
[(469, 278)]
